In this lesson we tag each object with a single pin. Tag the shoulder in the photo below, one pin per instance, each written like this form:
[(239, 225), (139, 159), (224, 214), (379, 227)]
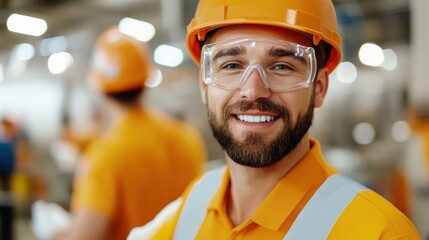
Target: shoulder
[(163, 225), (371, 216), (168, 121), (382, 208), (101, 155), (110, 144)]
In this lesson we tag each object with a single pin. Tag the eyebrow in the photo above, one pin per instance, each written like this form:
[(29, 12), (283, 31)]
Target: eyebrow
[(234, 51), (279, 52)]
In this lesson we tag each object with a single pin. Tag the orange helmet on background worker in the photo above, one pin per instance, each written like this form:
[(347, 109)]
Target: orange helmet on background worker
[(113, 187), (119, 62), (316, 19)]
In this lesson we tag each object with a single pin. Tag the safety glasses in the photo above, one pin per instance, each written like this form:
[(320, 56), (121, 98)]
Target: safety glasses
[(282, 66)]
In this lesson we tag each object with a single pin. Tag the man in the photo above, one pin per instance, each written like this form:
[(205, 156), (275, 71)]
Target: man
[(143, 161), (264, 68)]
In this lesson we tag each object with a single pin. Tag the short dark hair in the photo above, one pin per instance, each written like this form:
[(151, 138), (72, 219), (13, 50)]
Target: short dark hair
[(323, 53), (126, 97)]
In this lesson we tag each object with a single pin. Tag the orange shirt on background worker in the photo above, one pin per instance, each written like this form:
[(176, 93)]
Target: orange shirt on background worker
[(142, 163)]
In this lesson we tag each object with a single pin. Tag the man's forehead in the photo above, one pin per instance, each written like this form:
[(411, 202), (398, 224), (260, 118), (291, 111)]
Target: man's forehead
[(261, 31), (253, 47)]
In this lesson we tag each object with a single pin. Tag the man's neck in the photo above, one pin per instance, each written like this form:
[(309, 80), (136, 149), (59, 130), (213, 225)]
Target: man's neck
[(250, 186)]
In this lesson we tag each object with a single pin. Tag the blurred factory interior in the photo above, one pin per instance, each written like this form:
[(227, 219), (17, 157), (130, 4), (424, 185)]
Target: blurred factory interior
[(377, 95)]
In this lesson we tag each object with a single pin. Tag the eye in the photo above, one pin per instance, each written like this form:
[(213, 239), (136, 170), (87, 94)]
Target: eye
[(281, 67), (231, 66)]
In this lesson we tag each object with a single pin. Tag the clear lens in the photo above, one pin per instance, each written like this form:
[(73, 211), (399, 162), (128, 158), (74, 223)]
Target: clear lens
[(282, 66)]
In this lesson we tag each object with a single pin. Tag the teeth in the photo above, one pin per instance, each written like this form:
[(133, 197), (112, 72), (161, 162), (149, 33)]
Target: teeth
[(255, 119)]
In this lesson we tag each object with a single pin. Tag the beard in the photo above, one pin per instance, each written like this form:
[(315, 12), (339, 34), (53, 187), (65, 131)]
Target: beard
[(256, 150)]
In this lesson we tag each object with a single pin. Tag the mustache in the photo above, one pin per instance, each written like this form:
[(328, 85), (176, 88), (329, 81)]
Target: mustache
[(262, 105)]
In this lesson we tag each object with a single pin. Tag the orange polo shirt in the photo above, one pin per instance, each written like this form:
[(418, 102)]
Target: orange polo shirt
[(369, 216), (143, 162)]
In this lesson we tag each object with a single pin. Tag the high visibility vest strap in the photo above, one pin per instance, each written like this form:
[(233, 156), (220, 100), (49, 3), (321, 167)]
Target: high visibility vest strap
[(195, 207), (321, 212), (314, 222)]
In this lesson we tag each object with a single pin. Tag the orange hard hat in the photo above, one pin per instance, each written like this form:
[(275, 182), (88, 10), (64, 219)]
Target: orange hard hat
[(120, 62), (314, 17)]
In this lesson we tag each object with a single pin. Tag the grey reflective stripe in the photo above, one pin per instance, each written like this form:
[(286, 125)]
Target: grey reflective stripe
[(313, 223), (322, 211), (194, 210)]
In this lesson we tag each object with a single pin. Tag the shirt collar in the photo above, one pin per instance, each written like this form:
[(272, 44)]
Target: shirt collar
[(289, 196)]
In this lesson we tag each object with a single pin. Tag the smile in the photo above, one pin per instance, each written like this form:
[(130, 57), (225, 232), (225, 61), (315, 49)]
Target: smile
[(255, 119)]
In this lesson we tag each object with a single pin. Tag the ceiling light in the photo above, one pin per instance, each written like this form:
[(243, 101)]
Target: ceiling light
[(138, 29), (168, 56), (60, 62), (371, 54), (53, 45), (24, 51), (346, 72), (26, 25)]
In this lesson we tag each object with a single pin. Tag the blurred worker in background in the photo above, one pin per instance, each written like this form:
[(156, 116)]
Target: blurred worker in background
[(8, 156), (264, 68), (15, 173), (15, 153), (144, 160), (7, 152)]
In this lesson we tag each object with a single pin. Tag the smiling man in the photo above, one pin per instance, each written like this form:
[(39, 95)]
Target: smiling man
[(264, 68)]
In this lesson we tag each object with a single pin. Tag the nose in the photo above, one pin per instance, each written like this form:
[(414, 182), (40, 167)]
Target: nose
[(254, 85)]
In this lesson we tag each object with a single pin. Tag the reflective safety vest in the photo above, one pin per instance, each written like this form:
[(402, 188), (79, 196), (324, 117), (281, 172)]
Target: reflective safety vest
[(319, 214)]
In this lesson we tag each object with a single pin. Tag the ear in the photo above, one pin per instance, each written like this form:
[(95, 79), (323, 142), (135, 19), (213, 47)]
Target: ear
[(321, 86), (203, 89)]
